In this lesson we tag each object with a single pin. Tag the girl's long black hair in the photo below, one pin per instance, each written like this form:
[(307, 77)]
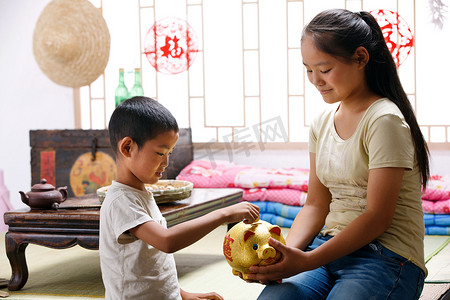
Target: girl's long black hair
[(339, 32)]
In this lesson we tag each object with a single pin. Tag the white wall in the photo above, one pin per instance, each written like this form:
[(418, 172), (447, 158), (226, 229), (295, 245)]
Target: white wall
[(440, 162), (28, 99)]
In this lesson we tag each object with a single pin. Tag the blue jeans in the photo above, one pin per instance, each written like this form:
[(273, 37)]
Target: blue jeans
[(372, 272)]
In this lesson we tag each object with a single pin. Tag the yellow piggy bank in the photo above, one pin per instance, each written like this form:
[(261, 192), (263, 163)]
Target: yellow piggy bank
[(247, 245)]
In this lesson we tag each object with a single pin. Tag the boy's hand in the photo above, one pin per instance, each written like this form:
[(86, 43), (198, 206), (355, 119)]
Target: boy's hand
[(242, 211), (199, 296)]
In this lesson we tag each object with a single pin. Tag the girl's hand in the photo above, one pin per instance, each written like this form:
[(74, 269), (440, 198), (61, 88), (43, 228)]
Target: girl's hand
[(292, 262), (242, 211), (199, 296)]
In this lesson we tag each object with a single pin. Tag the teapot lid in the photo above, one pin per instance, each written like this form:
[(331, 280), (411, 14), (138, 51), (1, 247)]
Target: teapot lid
[(42, 187)]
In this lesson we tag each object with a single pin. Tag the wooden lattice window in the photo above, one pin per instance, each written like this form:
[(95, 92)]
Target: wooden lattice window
[(247, 84)]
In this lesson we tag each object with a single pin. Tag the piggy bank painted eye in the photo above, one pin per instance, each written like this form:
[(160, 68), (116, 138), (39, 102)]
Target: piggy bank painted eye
[(247, 245)]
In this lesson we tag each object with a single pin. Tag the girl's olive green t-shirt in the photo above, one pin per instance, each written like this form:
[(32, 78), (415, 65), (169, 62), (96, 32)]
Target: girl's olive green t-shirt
[(382, 139)]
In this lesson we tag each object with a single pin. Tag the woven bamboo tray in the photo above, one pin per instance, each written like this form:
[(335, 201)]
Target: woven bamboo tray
[(163, 191)]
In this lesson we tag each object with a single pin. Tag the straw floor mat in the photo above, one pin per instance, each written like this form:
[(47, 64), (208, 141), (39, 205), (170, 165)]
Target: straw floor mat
[(74, 273)]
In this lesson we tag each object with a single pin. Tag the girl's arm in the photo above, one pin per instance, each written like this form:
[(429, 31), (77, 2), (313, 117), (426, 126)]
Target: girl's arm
[(382, 193), (184, 234), (311, 218)]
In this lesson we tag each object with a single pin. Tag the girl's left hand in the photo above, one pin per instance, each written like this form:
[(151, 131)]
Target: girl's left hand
[(292, 262)]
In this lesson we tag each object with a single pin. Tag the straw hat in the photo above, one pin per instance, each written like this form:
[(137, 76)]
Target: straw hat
[(71, 42)]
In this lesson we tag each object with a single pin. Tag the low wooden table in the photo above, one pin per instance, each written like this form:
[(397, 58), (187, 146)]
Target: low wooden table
[(77, 222)]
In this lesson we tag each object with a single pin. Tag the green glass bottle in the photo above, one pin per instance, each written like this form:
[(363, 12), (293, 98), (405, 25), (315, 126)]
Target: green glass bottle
[(137, 89), (121, 90)]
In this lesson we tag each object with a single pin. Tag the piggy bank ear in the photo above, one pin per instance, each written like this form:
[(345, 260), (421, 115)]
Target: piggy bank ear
[(248, 234), (275, 230)]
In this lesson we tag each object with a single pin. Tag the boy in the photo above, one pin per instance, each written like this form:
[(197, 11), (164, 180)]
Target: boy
[(134, 239)]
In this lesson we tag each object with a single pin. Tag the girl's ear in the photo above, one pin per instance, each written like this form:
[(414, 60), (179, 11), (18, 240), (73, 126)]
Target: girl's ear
[(125, 146), (361, 56)]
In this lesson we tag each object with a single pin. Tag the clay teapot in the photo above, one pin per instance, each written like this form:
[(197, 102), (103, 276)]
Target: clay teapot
[(44, 196)]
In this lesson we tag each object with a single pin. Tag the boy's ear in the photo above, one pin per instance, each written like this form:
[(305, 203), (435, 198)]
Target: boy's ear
[(125, 146), (361, 56)]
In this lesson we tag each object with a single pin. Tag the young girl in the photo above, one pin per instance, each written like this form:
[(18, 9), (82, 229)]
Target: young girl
[(360, 233)]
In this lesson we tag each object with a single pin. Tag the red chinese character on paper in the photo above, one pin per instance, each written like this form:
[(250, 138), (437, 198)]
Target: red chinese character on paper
[(171, 46), (48, 166), (227, 247), (396, 32)]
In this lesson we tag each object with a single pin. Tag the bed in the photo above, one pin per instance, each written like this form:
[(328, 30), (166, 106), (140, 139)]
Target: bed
[(280, 193)]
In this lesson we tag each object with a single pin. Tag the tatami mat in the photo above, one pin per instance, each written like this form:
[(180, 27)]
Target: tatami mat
[(439, 266), (74, 273), (433, 244), (54, 273)]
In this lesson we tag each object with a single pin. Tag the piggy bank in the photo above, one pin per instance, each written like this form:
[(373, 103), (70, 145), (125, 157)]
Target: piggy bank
[(247, 245)]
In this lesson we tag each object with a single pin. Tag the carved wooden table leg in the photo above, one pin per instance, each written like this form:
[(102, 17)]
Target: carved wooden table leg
[(3, 283), (15, 250)]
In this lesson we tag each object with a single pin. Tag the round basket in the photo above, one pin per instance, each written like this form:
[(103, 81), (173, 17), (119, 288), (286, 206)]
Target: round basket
[(163, 191)]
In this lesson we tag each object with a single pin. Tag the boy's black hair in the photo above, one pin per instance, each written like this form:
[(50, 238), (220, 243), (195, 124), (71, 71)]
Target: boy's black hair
[(141, 119)]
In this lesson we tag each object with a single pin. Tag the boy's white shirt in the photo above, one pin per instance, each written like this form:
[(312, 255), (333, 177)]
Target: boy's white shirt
[(131, 268)]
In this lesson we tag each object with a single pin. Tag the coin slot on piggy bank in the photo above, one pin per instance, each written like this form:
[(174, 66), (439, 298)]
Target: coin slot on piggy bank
[(247, 245)]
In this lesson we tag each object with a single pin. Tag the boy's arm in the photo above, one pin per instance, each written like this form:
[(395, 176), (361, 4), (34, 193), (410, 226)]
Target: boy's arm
[(184, 234), (198, 296)]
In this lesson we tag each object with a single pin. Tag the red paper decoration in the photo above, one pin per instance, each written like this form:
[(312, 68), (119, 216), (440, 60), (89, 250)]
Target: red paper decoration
[(171, 46), (397, 34)]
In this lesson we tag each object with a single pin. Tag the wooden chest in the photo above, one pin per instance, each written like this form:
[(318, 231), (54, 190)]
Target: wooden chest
[(83, 160)]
